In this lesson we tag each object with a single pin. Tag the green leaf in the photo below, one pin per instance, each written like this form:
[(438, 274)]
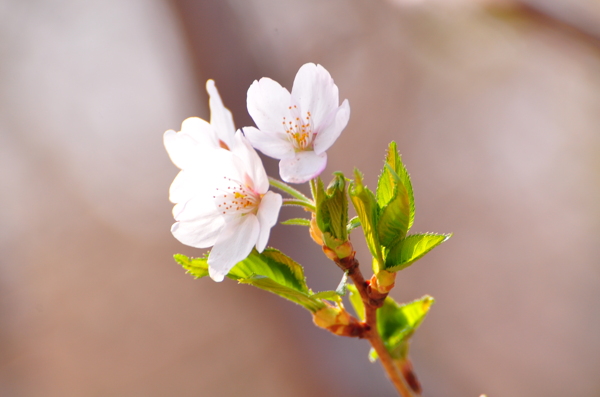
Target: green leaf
[(332, 209), (395, 199), (396, 323), (273, 264), (297, 221), (197, 267), (270, 270), (411, 248), (356, 302), (365, 203), (353, 224), (302, 298)]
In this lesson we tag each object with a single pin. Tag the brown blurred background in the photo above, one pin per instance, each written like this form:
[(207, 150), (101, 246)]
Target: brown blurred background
[(495, 107)]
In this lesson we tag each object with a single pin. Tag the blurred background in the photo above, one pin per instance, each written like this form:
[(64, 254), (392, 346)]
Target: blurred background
[(495, 106)]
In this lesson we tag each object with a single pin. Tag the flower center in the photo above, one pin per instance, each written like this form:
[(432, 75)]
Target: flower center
[(235, 198), (299, 129)]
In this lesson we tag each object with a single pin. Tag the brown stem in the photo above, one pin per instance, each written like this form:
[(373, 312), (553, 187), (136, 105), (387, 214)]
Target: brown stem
[(372, 301)]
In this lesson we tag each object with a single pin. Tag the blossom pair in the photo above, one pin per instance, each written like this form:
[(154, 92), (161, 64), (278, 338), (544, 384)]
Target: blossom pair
[(221, 194)]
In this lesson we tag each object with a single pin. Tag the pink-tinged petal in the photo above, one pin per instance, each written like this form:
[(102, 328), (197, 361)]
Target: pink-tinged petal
[(234, 244), (303, 167), (200, 233), (220, 117), (315, 92), (268, 212), (275, 145), (329, 133), (251, 162), (268, 102)]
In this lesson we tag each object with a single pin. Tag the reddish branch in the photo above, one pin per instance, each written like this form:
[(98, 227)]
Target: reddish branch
[(372, 301)]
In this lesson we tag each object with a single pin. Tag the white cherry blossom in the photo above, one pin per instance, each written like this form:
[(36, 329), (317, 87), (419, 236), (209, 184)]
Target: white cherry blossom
[(221, 195), (298, 127)]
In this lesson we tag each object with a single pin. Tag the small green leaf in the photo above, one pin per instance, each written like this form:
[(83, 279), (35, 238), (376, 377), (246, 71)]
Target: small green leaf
[(332, 209), (396, 323), (356, 302), (365, 203), (386, 183), (395, 199), (395, 216), (273, 264), (297, 221), (411, 248), (353, 224), (197, 267)]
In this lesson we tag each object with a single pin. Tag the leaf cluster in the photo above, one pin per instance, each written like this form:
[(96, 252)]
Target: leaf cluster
[(387, 215)]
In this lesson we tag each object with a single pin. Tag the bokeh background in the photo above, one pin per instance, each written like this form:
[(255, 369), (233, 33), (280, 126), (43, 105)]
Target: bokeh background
[(495, 106)]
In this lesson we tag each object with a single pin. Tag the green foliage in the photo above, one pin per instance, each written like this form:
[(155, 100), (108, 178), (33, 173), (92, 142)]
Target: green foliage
[(270, 270), (395, 199), (388, 215), (353, 224), (332, 210), (411, 248), (396, 323), (365, 203)]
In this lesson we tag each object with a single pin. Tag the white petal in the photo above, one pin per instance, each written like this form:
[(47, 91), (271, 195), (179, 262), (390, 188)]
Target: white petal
[(200, 206), (183, 188), (183, 147), (328, 134), (268, 212), (274, 145), (315, 91), (303, 167), (192, 182), (234, 244), (252, 163), (268, 102), (220, 117), (200, 233)]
